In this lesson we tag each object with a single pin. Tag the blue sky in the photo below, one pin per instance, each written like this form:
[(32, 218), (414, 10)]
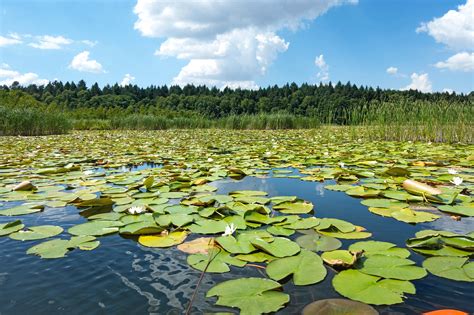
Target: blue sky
[(428, 45)]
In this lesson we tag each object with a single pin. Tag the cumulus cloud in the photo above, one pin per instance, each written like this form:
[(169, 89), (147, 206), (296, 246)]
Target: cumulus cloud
[(226, 43), (50, 42), (127, 79), (8, 76), (446, 90), (323, 73), (463, 61), (81, 62), (420, 82), (90, 43), (454, 29), (392, 70), (11, 39)]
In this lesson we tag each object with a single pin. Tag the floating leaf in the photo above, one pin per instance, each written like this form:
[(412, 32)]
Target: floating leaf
[(22, 210), (10, 227), (96, 228), (163, 240), (379, 248), (306, 268), (239, 245), (250, 295), (216, 261), (316, 242), (392, 267), (279, 247), (338, 307), (359, 286), (294, 207), (36, 233), (467, 211), (200, 245), (454, 268), (409, 216), (340, 259)]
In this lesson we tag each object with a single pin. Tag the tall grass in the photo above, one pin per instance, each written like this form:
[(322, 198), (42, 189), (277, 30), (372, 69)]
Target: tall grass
[(31, 122), (414, 121)]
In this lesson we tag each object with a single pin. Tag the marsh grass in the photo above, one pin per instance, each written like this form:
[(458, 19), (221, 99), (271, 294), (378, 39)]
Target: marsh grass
[(414, 121), (32, 122)]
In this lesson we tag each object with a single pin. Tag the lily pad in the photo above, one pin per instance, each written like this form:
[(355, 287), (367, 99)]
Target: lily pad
[(318, 243), (338, 307), (306, 268), (379, 248), (96, 228), (365, 288), (250, 295), (454, 268), (279, 247), (163, 240), (36, 233), (215, 261), (10, 227), (392, 267)]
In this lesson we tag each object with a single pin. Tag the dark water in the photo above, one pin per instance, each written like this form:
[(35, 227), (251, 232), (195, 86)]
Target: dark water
[(123, 277)]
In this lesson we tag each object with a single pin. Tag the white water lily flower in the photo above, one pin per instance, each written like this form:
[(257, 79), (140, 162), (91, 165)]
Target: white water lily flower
[(452, 171), (210, 160), (342, 165), (456, 181), (136, 209), (326, 153), (268, 153), (89, 172), (229, 229)]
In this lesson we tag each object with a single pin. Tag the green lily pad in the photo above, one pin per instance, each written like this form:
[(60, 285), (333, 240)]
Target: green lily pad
[(365, 288), (216, 261), (392, 267), (340, 259), (466, 211), (454, 268), (163, 240), (306, 268), (279, 247), (36, 233), (10, 227), (239, 245), (379, 248), (22, 210), (338, 307), (250, 295), (96, 228), (409, 216), (294, 207), (318, 243)]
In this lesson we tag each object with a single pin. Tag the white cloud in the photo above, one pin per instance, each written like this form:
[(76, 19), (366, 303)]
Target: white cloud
[(463, 61), (127, 79), (323, 73), (89, 43), (420, 82), (81, 62), (12, 39), (392, 70), (455, 29), (8, 76), (226, 43), (50, 42), (446, 90)]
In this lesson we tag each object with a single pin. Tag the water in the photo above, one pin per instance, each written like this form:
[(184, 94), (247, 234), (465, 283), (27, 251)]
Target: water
[(123, 277)]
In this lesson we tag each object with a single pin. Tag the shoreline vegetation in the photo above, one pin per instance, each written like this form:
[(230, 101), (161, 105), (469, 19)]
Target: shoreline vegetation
[(365, 113)]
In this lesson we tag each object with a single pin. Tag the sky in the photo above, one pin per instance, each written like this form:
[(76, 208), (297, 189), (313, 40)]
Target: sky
[(426, 45)]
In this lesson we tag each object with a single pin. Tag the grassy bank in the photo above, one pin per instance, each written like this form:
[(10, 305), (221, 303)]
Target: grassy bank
[(32, 122)]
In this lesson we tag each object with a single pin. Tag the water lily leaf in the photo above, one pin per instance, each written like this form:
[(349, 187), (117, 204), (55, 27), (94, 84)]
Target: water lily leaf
[(248, 193), (340, 187), (200, 245), (216, 261), (379, 248), (392, 267), (22, 210), (409, 216), (359, 286), (56, 248), (384, 203), (454, 268), (109, 216), (401, 196), (340, 259), (96, 228), (177, 219), (280, 199), (338, 307), (256, 257), (36, 233), (173, 195), (252, 199), (294, 207), (357, 234), (10, 227), (148, 182), (306, 268), (250, 295), (208, 227), (142, 227), (316, 242), (359, 191), (262, 218), (239, 245), (398, 171), (279, 247), (99, 202), (440, 243), (280, 231), (467, 211), (163, 240), (339, 225), (384, 212), (303, 223)]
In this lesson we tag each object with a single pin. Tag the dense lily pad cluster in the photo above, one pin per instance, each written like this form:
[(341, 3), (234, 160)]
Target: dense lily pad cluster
[(173, 202)]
